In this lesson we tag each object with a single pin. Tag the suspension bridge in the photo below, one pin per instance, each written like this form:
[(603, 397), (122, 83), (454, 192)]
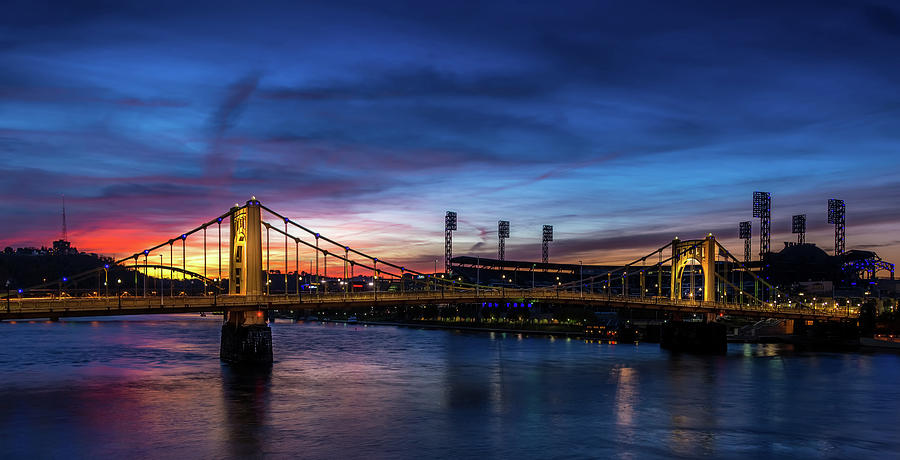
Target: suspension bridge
[(727, 285)]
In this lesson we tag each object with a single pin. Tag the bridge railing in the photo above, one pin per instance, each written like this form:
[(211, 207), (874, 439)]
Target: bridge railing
[(213, 303)]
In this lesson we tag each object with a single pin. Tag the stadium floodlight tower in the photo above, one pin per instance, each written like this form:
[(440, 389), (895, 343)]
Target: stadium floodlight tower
[(449, 227), (836, 215), (744, 233), (502, 234), (547, 237), (798, 226), (762, 208)]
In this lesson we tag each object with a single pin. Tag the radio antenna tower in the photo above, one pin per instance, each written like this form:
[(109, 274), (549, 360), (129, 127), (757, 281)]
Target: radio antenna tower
[(449, 227), (502, 234), (744, 233), (762, 208), (836, 216), (798, 226), (65, 232)]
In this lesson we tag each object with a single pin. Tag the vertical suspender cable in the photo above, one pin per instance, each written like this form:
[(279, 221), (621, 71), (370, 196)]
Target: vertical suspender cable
[(659, 276), (285, 258), (220, 255)]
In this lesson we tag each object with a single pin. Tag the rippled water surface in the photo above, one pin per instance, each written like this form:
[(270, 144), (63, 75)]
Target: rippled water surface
[(154, 387)]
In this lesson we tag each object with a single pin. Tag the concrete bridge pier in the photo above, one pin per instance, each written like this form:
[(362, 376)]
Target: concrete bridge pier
[(246, 338)]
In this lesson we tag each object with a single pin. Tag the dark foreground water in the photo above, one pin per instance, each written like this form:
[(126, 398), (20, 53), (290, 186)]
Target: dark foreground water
[(153, 387)]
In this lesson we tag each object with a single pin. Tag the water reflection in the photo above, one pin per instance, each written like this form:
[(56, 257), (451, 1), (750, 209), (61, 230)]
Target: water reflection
[(627, 396), (468, 385), (142, 388), (246, 395)]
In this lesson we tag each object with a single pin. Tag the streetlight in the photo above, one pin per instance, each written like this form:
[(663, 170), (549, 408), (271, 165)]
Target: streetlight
[(581, 275), (477, 274), (119, 282), (216, 292), (532, 275)]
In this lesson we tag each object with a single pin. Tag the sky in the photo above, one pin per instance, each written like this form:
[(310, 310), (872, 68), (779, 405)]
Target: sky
[(622, 124)]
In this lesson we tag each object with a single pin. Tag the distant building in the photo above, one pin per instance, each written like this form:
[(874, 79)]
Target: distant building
[(817, 287), (63, 248)]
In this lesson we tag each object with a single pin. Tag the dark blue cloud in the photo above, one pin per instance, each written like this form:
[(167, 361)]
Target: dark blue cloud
[(618, 122)]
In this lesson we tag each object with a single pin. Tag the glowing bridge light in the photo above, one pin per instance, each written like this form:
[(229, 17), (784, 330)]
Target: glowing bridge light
[(106, 266), (184, 236), (65, 279)]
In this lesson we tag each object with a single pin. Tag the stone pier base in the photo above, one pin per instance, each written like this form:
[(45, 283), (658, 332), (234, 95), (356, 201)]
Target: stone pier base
[(694, 337), (245, 340)]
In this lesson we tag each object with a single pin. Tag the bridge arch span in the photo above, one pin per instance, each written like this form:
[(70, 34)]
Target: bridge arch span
[(196, 275)]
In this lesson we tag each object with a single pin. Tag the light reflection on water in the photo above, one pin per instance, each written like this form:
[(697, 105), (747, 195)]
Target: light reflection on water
[(153, 387)]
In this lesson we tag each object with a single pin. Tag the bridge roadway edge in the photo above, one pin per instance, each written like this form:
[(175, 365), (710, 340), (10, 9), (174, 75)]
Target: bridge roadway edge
[(43, 308)]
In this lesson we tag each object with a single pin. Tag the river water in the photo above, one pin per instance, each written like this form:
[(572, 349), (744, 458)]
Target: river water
[(142, 387)]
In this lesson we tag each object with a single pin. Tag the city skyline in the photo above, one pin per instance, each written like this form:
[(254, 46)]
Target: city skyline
[(622, 126)]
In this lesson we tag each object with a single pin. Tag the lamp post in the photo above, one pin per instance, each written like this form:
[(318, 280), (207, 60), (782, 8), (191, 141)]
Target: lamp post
[(581, 276), (119, 292), (532, 275), (106, 280), (7, 296)]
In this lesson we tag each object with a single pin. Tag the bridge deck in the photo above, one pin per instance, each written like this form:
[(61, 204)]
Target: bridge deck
[(113, 306)]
